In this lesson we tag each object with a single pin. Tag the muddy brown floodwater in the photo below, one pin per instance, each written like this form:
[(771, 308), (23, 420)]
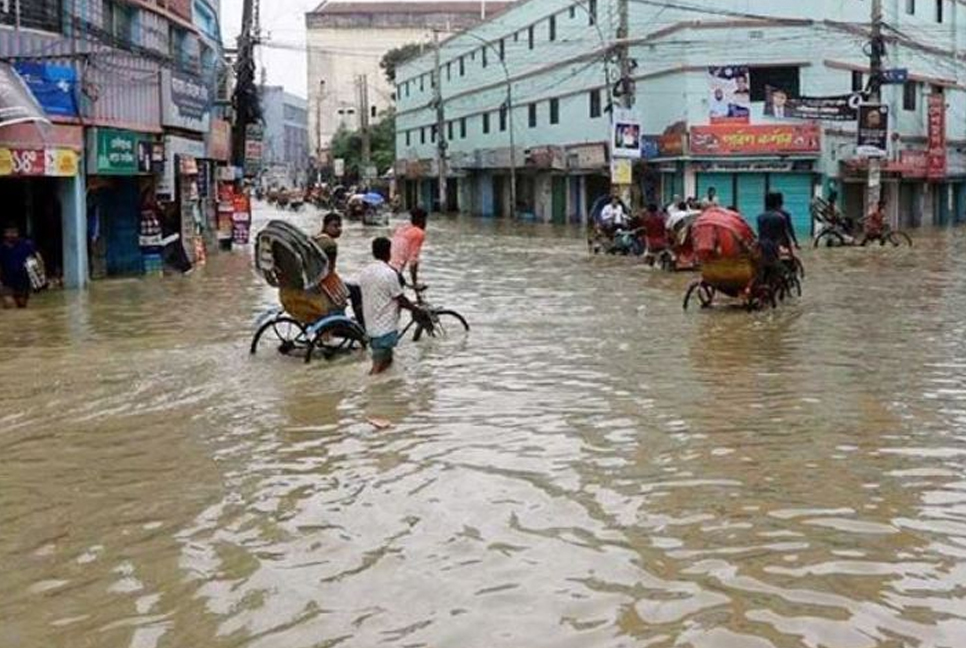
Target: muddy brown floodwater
[(591, 466)]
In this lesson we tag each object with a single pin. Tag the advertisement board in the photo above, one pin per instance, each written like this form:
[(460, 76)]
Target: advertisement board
[(186, 101), (737, 139)]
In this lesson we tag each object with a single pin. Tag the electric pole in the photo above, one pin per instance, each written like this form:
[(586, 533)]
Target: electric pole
[(625, 87), (245, 100), (363, 87), (440, 125), (876, 50)]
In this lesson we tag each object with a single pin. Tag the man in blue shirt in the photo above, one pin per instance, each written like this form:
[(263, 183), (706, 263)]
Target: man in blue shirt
[(14, 280)]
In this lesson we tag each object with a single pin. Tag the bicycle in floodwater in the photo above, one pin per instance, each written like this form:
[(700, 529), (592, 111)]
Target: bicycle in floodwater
[(339, 335)]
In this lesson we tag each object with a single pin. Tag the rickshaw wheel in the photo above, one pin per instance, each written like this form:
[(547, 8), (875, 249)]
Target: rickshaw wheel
[(687, 296), (706, 295)]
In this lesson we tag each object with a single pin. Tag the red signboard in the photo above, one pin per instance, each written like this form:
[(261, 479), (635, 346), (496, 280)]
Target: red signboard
[(23, 162), (733, 139), (936, 153)]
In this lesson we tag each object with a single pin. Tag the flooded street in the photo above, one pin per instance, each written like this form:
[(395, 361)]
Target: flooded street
[(590, 466)]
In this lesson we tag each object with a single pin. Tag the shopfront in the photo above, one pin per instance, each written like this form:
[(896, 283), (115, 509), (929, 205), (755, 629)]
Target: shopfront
[(121, 184), (186, 104), (743, 163), (41, 191)]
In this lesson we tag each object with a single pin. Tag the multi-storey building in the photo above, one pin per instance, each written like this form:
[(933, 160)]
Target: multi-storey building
[(346, 42), (285, 148), (557, 60), (128, 86)]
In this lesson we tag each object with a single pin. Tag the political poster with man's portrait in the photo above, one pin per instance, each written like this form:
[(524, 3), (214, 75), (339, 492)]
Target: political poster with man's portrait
[(729, 101)]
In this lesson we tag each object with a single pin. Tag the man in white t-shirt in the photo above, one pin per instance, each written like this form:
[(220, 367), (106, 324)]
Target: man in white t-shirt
[(382, 300), (613, 216)]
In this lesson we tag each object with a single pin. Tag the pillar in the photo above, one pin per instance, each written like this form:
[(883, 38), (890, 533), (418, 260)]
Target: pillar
[(73, 192)]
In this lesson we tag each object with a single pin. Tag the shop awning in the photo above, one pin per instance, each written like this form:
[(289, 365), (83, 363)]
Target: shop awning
[(17, 103)]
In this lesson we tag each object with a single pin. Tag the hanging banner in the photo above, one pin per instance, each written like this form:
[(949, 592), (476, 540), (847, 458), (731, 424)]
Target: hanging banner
[(779, 105), (729, 101), (625, 135), (54, 86), (731, 139), (873, 130), (936, 153)]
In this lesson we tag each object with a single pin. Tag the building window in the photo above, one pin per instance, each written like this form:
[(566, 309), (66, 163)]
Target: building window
[(432, 134), (449, 131), (858, 81), (462, 67), (516, 37), (594, 104), (406, 86), (422, 85), (422, 134), (532, 115), (502, 50), (119, 22), (783, 77), (503, 117), (530, 36), (592, 11), (462, 127), (939, 10), (483, 54), (408, 139), (449, 70), (911, 7), (554, 111), (486, 123), (573, 11), (552, 28), (372, 112), (910, 94)]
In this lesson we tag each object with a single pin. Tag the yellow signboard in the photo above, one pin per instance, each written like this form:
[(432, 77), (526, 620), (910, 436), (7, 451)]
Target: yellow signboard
[(62, 163), (621, 171), (6, 162)]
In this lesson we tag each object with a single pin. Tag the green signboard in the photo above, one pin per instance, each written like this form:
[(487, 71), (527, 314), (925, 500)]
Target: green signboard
[(119, 152)]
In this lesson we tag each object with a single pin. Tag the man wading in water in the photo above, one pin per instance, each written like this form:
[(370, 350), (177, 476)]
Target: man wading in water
[(382, 301)]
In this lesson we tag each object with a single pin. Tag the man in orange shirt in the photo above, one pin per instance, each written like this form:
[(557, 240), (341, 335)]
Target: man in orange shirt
[(407, 242)]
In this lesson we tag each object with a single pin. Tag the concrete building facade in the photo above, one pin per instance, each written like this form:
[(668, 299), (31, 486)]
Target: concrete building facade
[(552, 55), (285, 147), (348, 39)]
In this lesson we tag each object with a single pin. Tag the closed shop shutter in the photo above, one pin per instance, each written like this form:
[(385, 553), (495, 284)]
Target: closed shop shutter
[(751, 195), (723, 184), (797, 189), (959, 215), (672, 187)]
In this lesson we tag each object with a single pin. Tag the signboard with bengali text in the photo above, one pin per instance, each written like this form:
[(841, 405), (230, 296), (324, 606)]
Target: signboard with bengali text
[(737, 139)]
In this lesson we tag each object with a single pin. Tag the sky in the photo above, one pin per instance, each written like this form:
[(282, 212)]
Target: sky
[(283, 21)]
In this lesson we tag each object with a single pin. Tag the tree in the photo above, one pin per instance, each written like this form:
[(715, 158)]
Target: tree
[(347, 145), (396, 57)]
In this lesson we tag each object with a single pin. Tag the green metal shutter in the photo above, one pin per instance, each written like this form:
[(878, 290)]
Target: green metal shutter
[(722, 182), (751, 195), (797, 189)]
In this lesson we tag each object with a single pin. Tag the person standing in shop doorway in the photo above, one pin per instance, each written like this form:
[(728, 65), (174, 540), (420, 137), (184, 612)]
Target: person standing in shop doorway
[(14, 280)]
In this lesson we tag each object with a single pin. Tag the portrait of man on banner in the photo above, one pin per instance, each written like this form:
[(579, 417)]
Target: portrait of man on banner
[(729, 100), (626, 136)]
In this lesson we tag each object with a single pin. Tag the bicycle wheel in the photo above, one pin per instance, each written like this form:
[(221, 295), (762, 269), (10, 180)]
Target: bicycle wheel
[(285, 333), (898, 237), (830, 238), (335, 339), (445, 323)]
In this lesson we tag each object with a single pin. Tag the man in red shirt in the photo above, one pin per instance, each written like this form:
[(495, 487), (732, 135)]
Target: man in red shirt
[(407, 242)]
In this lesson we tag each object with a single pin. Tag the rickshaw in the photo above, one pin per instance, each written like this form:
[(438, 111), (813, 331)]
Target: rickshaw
[(679, 225), (621, 240), (832, 229), (731, 264), (289, 260), (371, 208)]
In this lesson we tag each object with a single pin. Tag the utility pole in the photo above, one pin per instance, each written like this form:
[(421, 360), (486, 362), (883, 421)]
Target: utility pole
[(318, 130), (876, 50), (440, 124), (625, 85), (245, 100), (363, 87)]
